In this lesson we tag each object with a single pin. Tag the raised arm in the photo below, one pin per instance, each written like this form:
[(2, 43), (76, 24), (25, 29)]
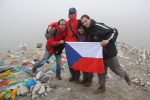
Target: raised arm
[(52, 25)]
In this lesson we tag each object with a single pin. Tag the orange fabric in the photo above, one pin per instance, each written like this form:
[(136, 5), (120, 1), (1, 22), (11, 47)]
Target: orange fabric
[(2, 95), (13, 93), (12, 82)]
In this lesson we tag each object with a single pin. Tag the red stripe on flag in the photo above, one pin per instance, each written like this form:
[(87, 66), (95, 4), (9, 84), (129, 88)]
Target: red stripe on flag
[(94, 65)]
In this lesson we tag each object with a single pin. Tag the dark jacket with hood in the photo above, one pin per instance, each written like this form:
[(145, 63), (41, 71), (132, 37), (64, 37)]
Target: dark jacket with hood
[(99, 32)]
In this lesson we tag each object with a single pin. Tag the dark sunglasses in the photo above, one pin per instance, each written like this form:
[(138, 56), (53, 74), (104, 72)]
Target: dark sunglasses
[(71, 13)]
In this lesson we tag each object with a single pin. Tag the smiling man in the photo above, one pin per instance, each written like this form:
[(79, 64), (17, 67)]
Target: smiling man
[(55, 39), (71, 36), (107, 36)]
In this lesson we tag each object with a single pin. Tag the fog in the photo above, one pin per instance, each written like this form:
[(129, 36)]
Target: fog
[(27, 20)]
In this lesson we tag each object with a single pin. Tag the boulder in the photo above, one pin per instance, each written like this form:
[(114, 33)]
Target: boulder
[(24, 90)]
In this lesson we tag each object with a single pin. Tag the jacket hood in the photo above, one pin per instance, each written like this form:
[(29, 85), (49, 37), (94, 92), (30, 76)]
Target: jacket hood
[(73, 19)]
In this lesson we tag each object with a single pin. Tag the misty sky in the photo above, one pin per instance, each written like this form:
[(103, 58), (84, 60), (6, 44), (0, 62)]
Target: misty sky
[(27, 20)]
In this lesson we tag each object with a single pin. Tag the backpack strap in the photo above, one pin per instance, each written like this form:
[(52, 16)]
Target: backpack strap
[(72, 31), (55, 31)]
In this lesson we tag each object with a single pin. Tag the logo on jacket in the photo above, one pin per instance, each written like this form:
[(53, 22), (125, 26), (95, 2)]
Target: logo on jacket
[(95, 37)]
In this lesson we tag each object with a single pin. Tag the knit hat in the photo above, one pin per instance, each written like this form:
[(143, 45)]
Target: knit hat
[(80, 25)]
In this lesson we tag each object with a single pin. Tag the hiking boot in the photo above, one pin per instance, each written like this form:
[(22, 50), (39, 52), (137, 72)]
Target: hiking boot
[(77, 81), (88, 83), (100, 89), (33, 69), (58, 77), (128, 80), (83, 81), (71, 79)]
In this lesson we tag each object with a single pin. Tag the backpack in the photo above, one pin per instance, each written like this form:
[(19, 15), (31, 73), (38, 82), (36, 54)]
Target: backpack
[(47, 33), (57, 49)]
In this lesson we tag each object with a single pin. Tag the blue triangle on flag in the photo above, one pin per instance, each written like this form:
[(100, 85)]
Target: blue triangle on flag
[(72, 55)]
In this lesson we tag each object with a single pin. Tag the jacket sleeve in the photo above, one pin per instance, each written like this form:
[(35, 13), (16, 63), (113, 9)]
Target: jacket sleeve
[(112, 35), (51, 39), (53, 24)]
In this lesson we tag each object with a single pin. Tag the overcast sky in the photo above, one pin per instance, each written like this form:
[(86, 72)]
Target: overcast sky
[(27, 20)]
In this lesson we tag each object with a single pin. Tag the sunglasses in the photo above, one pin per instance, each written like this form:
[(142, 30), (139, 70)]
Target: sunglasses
[(71, 13)]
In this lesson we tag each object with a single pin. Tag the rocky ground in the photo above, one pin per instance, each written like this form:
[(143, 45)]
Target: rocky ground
[(116, 87)]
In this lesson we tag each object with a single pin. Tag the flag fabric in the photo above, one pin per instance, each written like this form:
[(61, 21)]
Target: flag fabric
[(85, 56)]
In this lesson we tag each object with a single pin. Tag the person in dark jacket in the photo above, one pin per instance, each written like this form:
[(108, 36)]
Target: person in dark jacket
[(84, 37), (107, 36), (54, 45)]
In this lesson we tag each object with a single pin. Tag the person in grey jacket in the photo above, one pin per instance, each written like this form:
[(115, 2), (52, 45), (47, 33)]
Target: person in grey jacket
[(107, 36)]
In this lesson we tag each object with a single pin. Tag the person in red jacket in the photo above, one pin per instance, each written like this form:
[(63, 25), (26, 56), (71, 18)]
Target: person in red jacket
[(54, 45), (71, 36)]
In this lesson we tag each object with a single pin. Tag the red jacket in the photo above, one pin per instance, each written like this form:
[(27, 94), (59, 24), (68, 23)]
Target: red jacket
[(69, 35), (54, 37)]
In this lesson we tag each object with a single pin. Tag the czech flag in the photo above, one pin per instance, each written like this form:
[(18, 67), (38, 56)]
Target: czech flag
[(85, 56)]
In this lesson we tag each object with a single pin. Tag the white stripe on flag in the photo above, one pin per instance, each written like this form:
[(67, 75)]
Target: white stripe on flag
[(87, 49)]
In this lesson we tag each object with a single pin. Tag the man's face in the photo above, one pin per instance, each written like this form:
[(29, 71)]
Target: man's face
[(72, 14), (62, 25), (86, 22)]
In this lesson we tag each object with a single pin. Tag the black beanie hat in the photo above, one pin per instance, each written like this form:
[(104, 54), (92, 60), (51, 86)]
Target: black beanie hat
[(80, 24)]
